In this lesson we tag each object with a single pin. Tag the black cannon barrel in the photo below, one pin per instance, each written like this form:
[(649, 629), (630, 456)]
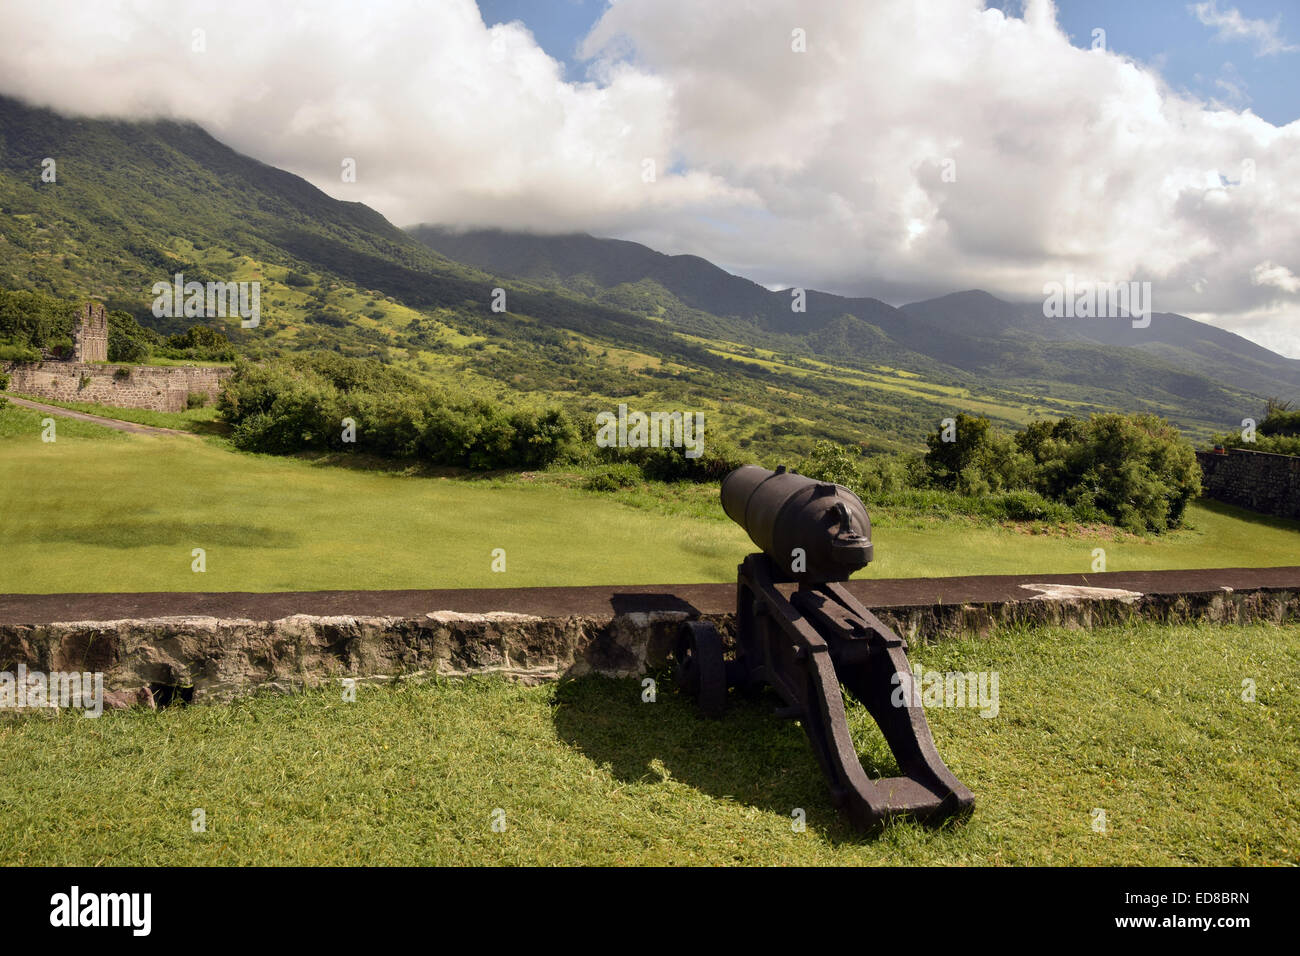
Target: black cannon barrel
[(782, 511)]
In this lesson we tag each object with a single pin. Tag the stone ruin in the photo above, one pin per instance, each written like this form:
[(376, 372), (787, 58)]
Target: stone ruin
[(90, 334)]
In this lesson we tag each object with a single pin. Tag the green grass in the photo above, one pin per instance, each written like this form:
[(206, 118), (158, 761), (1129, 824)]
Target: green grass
[(101, 511), (159, 360), (1147, 724), (203, 420), (19, 427)]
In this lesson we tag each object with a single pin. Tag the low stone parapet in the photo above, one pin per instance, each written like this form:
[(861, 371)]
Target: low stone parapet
[(216, 647)]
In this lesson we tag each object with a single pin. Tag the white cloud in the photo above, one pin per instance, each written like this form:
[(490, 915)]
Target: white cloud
[(824, 168), (1279, 277), (1231, 25)]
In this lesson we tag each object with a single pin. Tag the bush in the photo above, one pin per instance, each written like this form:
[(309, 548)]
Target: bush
[(829, 461), (1137, 470), (715, 460), (1278, 431), (193, 399), (18, 353), (1025, 505), (4, 384), (1281, 423), (128, 340), (978, 460), (1132, 470), (34, 320), (300, 404), (198, 343), (613, 477)]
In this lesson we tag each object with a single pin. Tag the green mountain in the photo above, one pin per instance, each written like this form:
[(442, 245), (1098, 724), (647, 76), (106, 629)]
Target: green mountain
[(588, 323), (1174, 359)]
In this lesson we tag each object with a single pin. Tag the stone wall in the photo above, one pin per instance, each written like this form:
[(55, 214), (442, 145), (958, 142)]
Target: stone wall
[(156, 387), (219, 658), (1263, 482)]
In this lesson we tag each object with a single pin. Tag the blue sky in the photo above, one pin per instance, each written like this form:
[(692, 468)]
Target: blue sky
[(1165, 34)]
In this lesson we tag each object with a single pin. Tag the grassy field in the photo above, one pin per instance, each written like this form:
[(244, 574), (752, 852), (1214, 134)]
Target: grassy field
[(198, 420), (97, 510), (1148, 725)]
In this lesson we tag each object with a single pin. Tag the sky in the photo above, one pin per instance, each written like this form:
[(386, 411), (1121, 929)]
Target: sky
[(881, 148)]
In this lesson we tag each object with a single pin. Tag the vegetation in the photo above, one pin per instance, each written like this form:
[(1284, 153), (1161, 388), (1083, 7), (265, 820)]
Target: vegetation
[(128, 341), (320, 401), (337, 277), (30, 321), (1277, 432), (197, 343), (1134, 471), (274, 523), (1145, 722)]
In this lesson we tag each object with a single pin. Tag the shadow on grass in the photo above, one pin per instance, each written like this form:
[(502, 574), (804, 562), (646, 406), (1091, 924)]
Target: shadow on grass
[(1245, 514), (212, 427), (749, 756), (135, 532)]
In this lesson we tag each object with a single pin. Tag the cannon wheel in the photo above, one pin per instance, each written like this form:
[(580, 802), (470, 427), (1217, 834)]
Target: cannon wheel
[(700, 669)]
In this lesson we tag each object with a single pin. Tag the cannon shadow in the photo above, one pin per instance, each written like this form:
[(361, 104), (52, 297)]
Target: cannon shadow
[(750, 755)]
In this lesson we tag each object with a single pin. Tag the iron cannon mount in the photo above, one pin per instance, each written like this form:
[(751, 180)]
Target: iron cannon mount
[(806, 642)]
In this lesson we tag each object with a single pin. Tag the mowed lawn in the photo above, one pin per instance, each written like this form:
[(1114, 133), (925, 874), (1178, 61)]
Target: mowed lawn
[(1119, 746), (98, 510)]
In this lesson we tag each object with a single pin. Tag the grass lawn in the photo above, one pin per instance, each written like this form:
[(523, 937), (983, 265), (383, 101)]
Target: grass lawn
[(1146, 724), (98, 510), (202, 420)]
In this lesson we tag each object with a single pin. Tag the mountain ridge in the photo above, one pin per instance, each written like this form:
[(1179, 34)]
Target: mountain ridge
[(567, 256), (136, 202)]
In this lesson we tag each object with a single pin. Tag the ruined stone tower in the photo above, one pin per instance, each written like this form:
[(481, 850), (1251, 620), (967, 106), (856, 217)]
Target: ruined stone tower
[(91, 334)]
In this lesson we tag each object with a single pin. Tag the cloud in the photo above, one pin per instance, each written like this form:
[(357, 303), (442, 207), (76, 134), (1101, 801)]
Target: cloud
[(912, 150), (1276, 276), (1265, 34)]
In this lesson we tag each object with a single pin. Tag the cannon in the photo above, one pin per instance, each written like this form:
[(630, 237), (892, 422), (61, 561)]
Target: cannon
[(806, 641)]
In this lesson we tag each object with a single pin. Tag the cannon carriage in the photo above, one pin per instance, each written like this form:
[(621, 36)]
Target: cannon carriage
[(806, 642)]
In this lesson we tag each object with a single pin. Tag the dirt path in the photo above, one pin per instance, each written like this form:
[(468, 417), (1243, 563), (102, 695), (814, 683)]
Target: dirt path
[(132, 427)]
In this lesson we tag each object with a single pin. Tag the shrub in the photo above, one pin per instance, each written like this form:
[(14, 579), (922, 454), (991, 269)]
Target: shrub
[(977, 461), (18, 353), (715, 460), (198, 343), (34, 320), (1025, 505), (193, 399), (128, 340), (1132, 470), (1136, 469), (613, 477), (300, 403), (830, 461), (1285, 423), (1278, 431)]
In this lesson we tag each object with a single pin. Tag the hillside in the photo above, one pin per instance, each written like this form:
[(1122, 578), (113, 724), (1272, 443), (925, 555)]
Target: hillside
[(589, 322), (1174, 362)]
